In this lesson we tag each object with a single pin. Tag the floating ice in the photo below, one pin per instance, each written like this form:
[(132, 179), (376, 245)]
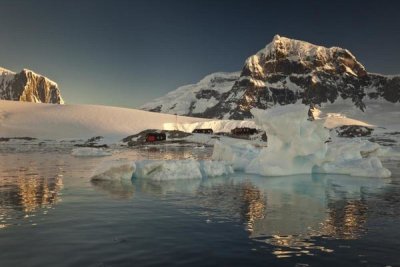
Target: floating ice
[(161, 170), (299, 146), (215, 168), (388, 152), (89, 152), (295, 144), (369, 167), (168, 169), (120, 169), (238, 154)]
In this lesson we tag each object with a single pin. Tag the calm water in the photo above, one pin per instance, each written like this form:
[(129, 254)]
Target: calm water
[(52, 215)]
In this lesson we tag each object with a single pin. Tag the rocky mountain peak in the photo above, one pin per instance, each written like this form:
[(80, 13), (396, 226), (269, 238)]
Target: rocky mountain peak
[(286, 71), (28, 86), (5, 71), (287, 56)]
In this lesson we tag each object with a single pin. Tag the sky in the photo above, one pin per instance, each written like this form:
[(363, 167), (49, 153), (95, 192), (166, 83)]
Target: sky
[(128, 52)]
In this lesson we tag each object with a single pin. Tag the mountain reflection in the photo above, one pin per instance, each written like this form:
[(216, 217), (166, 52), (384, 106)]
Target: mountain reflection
[(26, 189), (254, 204), (35, 192), (346, 219), (285, 212)]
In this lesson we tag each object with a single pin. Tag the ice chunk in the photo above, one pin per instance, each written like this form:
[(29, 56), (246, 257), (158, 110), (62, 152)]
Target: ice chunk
[(216, 168), (369, 167), (89, 152), (349, 149), (295, 145), (239, 155), (160, 170), (354, 157), (120, 169), (389, 152)]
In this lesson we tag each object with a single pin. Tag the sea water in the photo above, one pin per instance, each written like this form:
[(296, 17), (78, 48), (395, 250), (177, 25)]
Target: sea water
[(52, 214)]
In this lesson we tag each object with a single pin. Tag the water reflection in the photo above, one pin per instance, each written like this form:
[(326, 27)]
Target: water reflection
[(26, 189), (287, 213), (346, 219), (292, 245), (35, 192), (254, 205)]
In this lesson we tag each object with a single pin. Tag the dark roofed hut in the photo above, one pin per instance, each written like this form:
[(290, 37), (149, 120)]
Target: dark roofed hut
[(244, 131), (154, 137), (203, 131)]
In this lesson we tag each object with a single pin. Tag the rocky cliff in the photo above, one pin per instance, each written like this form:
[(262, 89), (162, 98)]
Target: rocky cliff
[(28, 86)]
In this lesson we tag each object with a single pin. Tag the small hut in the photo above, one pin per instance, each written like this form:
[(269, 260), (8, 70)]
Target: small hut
[(244, 131), (203, 131), (154, 137)]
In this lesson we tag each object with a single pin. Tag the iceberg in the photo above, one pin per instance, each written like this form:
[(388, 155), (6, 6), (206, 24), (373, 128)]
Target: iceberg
[(162, 170), (238, 154), (120, 169), (215, 168), (114, 178), (297, 145)]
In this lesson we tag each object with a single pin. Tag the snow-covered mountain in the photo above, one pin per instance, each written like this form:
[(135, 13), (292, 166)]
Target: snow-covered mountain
[(29, 87), (195, 99), (284, 72)]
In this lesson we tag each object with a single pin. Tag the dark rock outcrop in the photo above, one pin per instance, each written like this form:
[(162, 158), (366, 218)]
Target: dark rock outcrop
[(353, 131)]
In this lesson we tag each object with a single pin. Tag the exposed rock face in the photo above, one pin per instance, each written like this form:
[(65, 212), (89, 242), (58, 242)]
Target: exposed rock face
[(287, 71), (353, 131), (28, 86)]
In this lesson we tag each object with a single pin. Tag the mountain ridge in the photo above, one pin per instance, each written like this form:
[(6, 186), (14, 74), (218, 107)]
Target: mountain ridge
[(286, 71)]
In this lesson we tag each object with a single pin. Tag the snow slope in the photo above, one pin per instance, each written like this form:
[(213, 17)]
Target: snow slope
[(78, 121), (196, 98), (379, 113)]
